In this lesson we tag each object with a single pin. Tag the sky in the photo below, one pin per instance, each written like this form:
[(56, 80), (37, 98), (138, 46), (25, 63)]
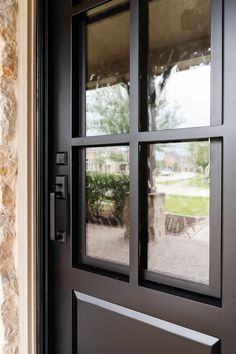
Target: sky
[(190, 89)]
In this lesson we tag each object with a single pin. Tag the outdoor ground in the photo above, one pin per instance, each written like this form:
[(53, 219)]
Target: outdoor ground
[(186, 194), (173, 255)]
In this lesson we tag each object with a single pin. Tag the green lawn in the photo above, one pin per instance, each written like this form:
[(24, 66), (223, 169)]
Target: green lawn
[(184, 205), (198, 181)]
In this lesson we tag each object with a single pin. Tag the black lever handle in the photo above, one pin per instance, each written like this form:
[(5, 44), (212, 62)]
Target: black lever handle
[(60, 192), (53, 216)]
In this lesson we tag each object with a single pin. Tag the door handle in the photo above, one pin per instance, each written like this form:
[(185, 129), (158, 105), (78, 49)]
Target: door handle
[(59, 193), (53, 216)]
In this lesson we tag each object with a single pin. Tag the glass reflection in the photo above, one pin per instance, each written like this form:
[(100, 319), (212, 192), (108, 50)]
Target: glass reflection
[(107, 82), (178, 201), (107, 203), (179, 64)]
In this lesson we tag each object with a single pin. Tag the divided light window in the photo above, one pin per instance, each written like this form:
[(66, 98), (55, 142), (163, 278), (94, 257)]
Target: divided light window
[(146, 105)]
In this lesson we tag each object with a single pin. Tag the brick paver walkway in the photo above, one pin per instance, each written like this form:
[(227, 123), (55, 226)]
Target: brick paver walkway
[(173, 255)]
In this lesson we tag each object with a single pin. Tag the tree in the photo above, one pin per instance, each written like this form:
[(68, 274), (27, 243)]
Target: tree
[(200, 154), (161, 116), (109, 108), (117, 156)]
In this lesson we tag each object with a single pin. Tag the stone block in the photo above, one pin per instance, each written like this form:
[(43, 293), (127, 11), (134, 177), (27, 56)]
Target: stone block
[(8, 173)]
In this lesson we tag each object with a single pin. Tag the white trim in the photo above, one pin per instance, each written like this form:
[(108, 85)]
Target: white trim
[(26, 181)]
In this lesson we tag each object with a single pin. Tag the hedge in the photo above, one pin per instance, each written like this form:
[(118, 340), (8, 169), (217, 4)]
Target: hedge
[(104, 187)]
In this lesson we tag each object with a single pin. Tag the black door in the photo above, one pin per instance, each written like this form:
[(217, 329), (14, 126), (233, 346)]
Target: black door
[(142, 198)]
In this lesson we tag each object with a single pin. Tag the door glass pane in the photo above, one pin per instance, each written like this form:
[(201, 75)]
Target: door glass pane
[(107, 203), (179, 209), (107, 62), (179, 63)]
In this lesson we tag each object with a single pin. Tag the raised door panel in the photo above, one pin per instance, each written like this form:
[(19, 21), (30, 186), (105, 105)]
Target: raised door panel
[(105, 328)]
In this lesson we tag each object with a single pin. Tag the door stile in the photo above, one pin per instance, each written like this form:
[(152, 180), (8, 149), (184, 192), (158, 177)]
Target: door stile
[(137, 89)]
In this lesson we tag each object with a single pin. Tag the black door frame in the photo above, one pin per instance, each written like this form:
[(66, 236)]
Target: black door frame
[(42, 262)]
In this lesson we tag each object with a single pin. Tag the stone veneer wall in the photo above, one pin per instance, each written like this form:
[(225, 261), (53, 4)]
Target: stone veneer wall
[(8, 173)]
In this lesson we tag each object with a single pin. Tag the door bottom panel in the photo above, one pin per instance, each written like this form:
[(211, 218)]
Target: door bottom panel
[(105, 328)]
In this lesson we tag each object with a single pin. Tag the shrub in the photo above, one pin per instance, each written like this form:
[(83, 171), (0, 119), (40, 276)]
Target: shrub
[(102, 188), (120, 187)]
